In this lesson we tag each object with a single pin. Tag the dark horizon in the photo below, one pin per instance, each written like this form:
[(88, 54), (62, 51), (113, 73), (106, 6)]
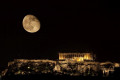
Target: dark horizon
[(66, 26)]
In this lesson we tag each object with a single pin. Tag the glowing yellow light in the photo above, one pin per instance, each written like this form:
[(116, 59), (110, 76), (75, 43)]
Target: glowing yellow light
[(87, 56), (61, 58), (117, 65), (80, 59)]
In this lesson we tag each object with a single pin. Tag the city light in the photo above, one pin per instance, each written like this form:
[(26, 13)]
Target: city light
[(73, 64)]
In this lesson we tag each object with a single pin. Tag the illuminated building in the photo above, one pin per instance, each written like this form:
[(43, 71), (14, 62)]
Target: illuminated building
[(77, 56), (73, 64)]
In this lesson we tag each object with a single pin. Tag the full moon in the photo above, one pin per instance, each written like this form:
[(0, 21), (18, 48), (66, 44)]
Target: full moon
[(31, 24)]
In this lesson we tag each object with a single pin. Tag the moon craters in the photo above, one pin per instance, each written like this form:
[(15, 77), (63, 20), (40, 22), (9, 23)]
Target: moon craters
[(31, 23)]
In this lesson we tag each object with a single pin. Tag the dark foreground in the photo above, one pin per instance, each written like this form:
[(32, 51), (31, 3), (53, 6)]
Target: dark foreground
[(58, 77)]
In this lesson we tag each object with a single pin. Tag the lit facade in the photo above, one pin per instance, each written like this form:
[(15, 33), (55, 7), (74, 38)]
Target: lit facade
[(77, 56), (73, 64)]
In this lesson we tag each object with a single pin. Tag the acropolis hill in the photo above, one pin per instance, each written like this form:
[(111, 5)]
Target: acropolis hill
[(73, 64)]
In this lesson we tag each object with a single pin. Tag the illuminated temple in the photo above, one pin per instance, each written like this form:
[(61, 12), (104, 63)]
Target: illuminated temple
[(77, 56), (74, 64)]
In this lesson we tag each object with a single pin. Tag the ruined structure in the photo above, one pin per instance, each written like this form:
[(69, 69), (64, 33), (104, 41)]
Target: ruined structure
[(74, 64), (77, 56)]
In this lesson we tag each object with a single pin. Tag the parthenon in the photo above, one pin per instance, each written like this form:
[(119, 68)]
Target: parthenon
[(76, 56), (69, 64)]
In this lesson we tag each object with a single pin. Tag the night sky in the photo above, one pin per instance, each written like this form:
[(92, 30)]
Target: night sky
[(66, 26)]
